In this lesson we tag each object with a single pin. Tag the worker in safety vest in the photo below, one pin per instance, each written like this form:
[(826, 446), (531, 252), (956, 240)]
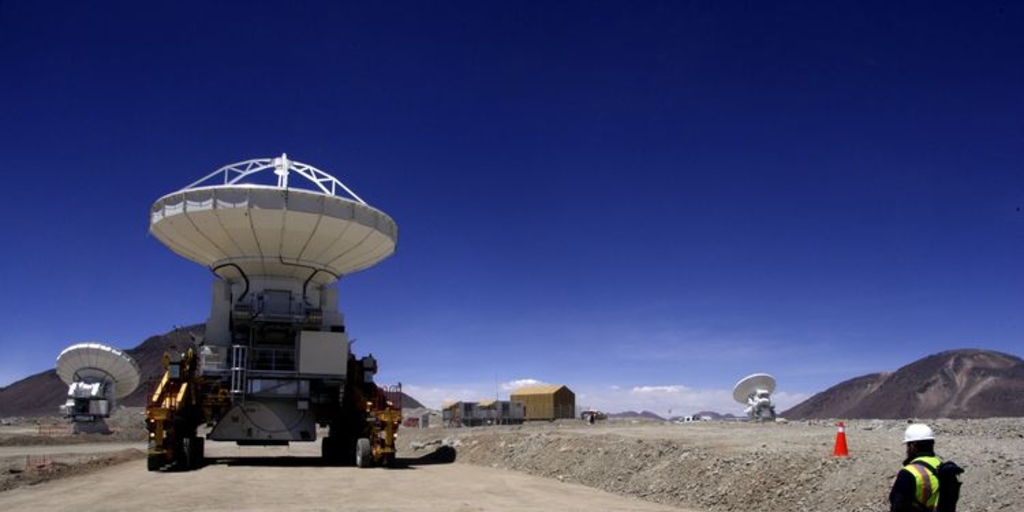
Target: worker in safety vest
[(917, 487)]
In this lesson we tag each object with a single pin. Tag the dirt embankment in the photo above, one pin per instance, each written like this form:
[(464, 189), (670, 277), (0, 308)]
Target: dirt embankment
[(715, 466), (735, 466), (31, 470), (43, 449)]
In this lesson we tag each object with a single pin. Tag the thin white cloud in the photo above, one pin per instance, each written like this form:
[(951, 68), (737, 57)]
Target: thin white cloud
[(521, 383), (664, 390), (664, 399), (675, 399), (435, 396), (785, 400)]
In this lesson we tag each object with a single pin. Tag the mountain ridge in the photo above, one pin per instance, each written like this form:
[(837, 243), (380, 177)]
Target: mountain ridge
[(43, 393), (963, 383)]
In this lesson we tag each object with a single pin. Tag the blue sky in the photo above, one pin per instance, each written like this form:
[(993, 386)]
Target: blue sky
[(644, 202)]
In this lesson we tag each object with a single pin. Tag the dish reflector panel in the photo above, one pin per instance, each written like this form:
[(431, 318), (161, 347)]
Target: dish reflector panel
[(750, 384), (273, 231), (95, 362)]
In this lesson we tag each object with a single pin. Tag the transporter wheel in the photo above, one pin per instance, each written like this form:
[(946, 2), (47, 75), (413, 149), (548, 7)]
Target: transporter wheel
[(347, 451), (155, 462), (198, 455), (183, 454), (337, 450), (364, 453), (327, 449)]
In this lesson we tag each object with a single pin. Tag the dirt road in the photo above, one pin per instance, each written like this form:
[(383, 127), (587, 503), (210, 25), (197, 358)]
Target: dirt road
[(567, 465), (69, 449), (292, 479)]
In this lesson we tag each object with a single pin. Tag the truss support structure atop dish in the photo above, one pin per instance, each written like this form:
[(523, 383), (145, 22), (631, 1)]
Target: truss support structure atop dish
[(243, 230), (236, 173)]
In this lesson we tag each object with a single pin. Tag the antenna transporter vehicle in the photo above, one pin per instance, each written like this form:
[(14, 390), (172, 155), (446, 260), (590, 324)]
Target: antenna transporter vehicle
[(97, 376), (755, 392), (275, 360)]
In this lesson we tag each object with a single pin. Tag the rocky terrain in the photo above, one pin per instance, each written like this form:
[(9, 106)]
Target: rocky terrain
[(720, 465), (41, 449), (953, 384), (705, 466), (732, 466)]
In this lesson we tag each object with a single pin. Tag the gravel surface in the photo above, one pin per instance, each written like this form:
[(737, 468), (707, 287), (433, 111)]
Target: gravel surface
[(37, 450), (720, 466), (26, 470), (295, 479), (713, 466)]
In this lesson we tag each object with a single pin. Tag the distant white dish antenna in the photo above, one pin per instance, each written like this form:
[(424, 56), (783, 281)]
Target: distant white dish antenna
[(755, 392), (97, 376), (241, 229)]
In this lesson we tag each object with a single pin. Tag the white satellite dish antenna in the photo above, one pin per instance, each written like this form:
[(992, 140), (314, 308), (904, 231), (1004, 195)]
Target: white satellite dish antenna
[(277, 233), (243, 230), (755, 391), (97, 376)]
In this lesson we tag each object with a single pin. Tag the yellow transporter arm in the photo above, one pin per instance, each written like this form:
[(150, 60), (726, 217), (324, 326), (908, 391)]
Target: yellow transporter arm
[(159, 390), (181, 392)]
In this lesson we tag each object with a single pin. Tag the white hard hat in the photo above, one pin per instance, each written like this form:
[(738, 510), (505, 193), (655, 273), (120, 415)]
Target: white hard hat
[(918, 432)]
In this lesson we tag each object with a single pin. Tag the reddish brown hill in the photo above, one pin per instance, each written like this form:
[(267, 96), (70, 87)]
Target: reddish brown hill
[(41, 394), (150, 357), (36, 395), (954, 384)]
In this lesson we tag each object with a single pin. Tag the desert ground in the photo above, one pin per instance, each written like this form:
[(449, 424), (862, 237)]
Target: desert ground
[(564, 465)]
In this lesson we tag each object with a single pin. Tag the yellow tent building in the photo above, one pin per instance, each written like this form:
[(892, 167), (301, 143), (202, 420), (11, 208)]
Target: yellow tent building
[(546, 402)]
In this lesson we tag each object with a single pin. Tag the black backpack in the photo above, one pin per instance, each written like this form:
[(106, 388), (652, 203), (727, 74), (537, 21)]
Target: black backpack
[(949, 484)]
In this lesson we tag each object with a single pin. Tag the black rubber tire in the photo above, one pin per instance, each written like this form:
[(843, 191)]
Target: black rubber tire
[(364, 453), (198, 452), (155, 462), (183, 454), (328, 450), (346, 447)]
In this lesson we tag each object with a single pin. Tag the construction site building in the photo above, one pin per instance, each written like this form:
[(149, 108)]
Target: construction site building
[(546, 402), (487, 412)]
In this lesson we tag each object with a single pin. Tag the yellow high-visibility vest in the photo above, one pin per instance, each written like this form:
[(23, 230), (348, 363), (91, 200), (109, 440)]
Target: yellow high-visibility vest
[(927, 492)]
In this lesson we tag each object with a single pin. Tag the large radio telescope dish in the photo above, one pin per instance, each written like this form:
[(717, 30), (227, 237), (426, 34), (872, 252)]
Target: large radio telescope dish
[(95, 362), (234, 226), (751, 384), (755, 392)]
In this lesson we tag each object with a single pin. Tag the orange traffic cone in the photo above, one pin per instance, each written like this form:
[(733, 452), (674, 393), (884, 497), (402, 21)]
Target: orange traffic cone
[(840, 449)]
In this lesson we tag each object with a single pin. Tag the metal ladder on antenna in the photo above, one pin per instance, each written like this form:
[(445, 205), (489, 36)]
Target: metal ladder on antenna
[(239, 354)]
